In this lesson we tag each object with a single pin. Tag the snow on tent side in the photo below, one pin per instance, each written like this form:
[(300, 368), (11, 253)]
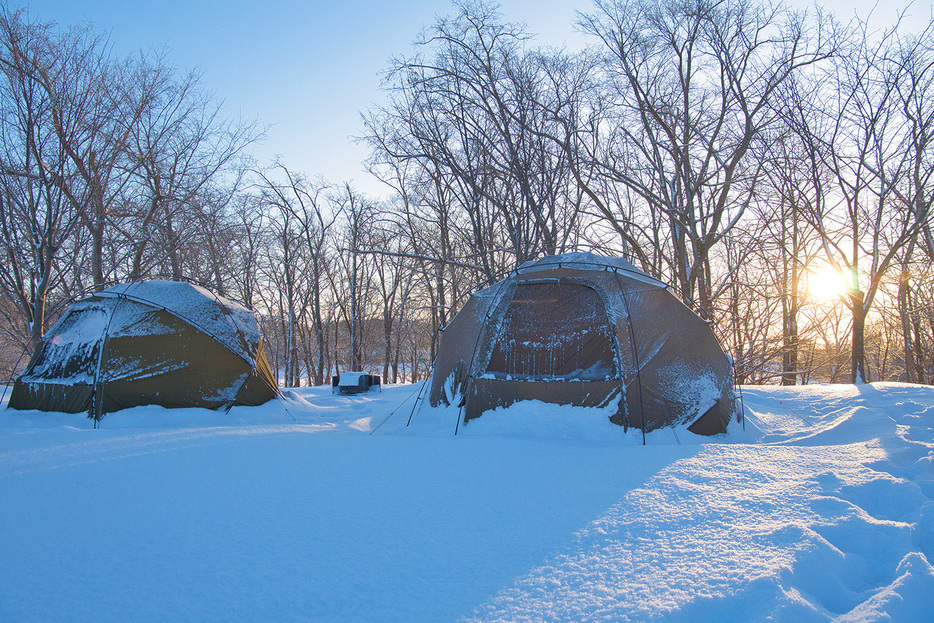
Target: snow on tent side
[(580, 329), (156, 342)]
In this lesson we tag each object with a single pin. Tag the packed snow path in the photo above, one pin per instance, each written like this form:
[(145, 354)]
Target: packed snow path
[(819, 510)]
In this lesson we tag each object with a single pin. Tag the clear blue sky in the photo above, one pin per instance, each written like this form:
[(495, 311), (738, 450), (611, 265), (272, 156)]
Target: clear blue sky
[(308, 67)]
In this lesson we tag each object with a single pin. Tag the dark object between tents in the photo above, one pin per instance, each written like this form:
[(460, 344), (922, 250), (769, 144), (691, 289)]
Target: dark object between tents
[(154, 342), (349, 383)]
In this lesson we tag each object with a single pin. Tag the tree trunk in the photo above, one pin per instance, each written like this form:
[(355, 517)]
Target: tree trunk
[(320, 344), (97, 256), (920, 376), (387, 336), (790, 334), (172, 242), (790, 304), (858, 372), (38, 322), (395, 358), (904, 305)]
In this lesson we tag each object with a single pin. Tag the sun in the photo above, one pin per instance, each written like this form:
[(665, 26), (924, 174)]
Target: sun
[(826, 284)]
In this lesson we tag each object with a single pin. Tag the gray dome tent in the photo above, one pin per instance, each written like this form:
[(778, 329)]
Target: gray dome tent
[(586, 330), (154, 342)]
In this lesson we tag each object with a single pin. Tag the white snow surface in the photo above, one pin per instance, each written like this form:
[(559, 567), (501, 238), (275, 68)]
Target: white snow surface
[(820, 510)]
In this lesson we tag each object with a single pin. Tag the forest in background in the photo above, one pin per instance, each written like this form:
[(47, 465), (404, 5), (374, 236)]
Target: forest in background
[(739, 150)]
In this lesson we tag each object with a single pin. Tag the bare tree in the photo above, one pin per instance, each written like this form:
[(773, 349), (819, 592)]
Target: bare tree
[(94, 108), (246, 246), (305, 220), (352, 277), (694, 82), (874, 125), (469, 111), (59, 151), (915, 90), (178, 149), (395, 281), (797, 185), (434, 238)]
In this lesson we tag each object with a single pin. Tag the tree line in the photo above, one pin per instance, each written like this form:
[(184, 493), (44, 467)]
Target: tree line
[(731, 148)]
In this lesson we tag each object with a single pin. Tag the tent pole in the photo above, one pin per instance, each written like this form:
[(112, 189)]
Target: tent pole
[(742, 401), (635, 353), (489, 314), (97, 400), (460, 409), (393, 412), (424, 383), (415, 405)]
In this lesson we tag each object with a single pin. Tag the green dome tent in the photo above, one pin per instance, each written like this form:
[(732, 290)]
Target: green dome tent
[(154, 342), (580, 329)]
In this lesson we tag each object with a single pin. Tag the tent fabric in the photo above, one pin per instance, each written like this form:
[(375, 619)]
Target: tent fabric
[(166, 343), (585, 330)]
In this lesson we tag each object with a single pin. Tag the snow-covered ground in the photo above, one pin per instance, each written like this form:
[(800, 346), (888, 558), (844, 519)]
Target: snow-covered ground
[(821, 509)]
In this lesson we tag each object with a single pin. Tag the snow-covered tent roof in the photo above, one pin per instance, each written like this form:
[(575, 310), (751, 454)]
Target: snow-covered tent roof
[(587, 330), (155, 342), (588, 261), (230, 324)]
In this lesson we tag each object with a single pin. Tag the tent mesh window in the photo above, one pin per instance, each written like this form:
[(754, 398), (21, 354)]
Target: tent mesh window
[(553, 331)]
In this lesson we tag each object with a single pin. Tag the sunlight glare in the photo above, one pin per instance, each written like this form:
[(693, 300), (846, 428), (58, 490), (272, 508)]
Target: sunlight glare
[(826, 284)]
